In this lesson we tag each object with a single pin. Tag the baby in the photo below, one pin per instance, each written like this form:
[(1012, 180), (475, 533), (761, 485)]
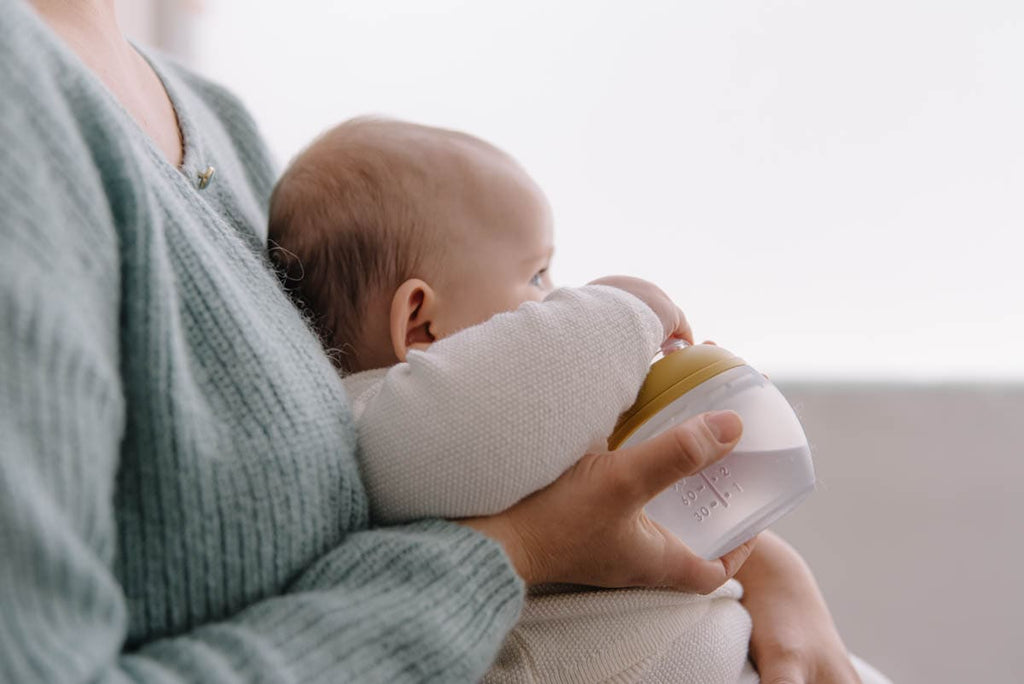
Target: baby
[(422, 258)]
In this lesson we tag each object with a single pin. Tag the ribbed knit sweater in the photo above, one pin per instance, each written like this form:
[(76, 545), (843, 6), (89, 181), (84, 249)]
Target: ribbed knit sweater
[(179, 498)]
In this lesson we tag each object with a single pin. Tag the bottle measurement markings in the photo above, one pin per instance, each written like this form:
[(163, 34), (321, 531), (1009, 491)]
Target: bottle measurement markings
[(725, 504)]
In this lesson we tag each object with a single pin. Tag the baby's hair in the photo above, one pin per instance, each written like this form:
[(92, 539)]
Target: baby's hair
[(350, 221)]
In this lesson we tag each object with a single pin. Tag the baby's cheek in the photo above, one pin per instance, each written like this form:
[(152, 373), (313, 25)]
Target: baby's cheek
[(534, 294)]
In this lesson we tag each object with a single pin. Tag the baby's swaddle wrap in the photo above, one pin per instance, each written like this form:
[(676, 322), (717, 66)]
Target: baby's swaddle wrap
[(655, 636)]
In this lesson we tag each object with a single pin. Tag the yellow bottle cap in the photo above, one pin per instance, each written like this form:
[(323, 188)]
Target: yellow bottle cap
[(671, 377)]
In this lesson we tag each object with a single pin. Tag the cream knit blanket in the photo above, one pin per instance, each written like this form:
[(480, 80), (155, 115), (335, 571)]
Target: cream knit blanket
[(628, 635)]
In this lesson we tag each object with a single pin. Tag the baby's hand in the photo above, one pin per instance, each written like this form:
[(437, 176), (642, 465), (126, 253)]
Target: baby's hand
[(671, 316), (794, 638)]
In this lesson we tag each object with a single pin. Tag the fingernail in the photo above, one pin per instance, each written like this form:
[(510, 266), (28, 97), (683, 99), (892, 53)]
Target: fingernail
[(726, 426)]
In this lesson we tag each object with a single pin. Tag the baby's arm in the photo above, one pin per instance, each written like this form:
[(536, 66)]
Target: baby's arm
[(488, 415), (794, 638)]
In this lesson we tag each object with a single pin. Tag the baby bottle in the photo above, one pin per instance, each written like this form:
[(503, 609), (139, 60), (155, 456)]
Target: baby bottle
[(768, 473)]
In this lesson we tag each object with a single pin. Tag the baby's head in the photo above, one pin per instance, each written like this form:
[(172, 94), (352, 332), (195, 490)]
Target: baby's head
[(393, 235)]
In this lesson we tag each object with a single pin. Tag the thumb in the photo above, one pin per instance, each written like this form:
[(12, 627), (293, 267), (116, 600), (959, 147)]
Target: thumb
[(684, 450)]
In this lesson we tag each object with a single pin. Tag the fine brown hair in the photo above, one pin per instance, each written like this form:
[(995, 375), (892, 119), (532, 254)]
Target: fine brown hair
[(348, 223)]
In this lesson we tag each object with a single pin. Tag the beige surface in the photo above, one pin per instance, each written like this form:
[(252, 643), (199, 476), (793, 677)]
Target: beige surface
[(915, 531)]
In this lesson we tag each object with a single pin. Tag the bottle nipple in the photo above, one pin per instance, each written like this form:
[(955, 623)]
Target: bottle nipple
[(670, 345)]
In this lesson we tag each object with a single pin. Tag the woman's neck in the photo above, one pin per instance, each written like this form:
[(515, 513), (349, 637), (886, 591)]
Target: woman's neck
[(88, 26), (90, 29)]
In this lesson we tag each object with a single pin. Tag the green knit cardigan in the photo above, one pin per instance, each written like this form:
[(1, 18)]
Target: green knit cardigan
[(179, 497)]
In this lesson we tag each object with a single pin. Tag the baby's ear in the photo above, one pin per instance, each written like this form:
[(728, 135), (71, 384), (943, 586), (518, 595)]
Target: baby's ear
[(412, 312)]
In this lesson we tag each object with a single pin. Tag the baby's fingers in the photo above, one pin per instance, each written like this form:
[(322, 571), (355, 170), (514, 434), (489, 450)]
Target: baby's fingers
[(682, 329)]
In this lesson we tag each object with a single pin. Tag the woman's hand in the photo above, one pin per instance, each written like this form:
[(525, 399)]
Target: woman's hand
[(589, 527), (794, 639)]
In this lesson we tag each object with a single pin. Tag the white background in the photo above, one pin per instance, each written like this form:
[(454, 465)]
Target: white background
[(831, 190)]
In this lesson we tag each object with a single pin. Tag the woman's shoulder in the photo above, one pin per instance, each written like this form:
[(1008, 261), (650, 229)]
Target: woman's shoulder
[(33, 69), (54, 113), (56, 153)]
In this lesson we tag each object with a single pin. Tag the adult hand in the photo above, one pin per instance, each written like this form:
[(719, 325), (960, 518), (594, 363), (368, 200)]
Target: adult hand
[(589, 527), (794, 640)]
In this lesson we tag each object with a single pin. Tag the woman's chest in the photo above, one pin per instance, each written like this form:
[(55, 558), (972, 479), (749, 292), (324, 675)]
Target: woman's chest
[(237, 467)]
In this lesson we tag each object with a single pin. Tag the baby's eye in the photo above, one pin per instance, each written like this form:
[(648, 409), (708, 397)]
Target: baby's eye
[(538, 278)]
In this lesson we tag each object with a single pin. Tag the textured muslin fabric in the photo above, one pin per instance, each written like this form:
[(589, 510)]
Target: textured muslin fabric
[(179, 495), (499, 410), (627, 635)]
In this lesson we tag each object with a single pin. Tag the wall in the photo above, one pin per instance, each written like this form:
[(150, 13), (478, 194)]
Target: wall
[(827, 188), (915, 530)]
